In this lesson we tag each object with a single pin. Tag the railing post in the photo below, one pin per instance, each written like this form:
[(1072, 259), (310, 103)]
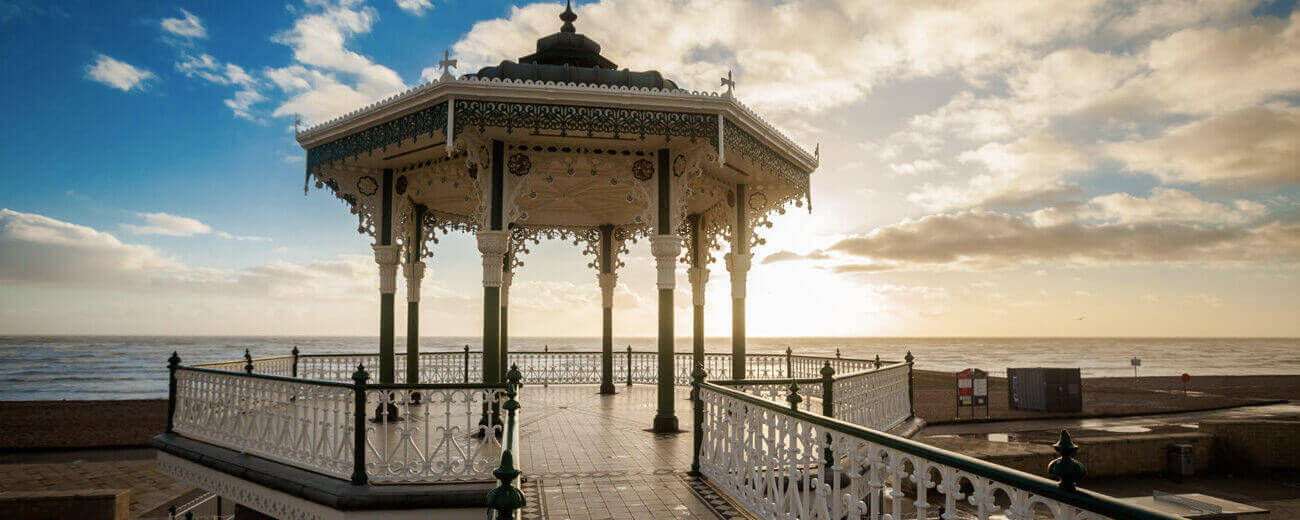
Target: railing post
[(697, 410), (877, 360), (629, 365), (546, 365), (789, 363), (173, 363), (911, 386), (359, 379), (248, 361), (1065, 468), (466, 363), (794, 398), (294, 369), (505, 499), (828, 410), (828, 390)]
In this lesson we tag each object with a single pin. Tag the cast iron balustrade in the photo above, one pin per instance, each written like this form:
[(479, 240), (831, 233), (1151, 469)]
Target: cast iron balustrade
[(782, 463)]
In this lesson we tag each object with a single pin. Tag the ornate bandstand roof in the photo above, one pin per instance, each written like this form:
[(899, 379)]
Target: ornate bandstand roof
[(581, 140)]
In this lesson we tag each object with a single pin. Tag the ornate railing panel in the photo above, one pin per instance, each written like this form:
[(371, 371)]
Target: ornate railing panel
[(423, 434), (876, 398), (781, 464), (558, 367), (300, 423)]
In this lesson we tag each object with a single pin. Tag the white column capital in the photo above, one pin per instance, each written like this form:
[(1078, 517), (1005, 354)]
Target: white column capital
[(666, 249), (386, 257), (698, 276), (492, 245), (738, 266), (507, 278), (608, 281), (414, 272)]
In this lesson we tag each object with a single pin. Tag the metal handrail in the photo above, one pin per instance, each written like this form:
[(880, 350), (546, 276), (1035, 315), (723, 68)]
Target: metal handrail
[(1080, 498)]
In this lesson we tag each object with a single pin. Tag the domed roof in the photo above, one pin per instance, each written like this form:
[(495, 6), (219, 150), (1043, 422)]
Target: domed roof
[(568, 56)]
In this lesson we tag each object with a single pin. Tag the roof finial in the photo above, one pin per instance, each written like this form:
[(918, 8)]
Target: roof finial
[(568, 17), (729, 83), (447, 64)]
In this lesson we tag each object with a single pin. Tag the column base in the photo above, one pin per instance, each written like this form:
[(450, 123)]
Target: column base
[(607, 389), (666, 425)]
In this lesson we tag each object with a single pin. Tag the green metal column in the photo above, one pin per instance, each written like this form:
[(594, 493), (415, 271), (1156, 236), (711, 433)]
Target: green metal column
[(607, 309), (386, 311), (414, 253), (507, 277), (492, 291), (739, 267), (665, 247), (699, 276)]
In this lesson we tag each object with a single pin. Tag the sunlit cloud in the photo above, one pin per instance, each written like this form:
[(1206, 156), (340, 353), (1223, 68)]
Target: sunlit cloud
[(117, 74)]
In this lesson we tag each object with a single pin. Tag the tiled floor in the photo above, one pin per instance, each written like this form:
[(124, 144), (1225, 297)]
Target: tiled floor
[(591, 457), (149, 489)]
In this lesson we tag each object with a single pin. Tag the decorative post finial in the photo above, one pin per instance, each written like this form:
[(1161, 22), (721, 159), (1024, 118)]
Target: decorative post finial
[(729, 83), (360, 376), (248, 361), (877, 360), (174, 361), (568, 17), (1066, 468), (447, 64), (794, 398), (909, 357)]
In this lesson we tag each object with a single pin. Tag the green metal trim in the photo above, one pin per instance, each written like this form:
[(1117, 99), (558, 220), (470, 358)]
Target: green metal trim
[(269, 377), (739, 141), (584, 120), (429, 121), (1083, 499)]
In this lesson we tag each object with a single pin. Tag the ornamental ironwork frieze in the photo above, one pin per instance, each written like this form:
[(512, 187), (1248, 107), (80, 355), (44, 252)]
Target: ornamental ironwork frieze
[(428, 121), (739, 141), (585, 120)]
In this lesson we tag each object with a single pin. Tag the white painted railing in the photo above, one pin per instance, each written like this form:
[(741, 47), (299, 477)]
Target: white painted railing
[(423, 433), (782, 464), (874, 398), (441, 434), (301, 423)]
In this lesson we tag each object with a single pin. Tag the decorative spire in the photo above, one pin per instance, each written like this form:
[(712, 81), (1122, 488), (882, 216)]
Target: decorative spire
[(568, 17), (447, 64), (729, 83)]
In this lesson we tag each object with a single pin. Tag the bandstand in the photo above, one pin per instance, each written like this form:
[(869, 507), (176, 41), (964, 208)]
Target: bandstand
[(561, 144)]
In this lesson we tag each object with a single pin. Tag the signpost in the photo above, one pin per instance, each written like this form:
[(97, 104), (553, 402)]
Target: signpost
[(1136, 362), (972, 391)]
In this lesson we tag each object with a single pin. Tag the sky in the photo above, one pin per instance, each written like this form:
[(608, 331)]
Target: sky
[(988, 168)]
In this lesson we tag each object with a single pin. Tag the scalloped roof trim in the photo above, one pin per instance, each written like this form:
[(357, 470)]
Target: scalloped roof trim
[(678, 93)]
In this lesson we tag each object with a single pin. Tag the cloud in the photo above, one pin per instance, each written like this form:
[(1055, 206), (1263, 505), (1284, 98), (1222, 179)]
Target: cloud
[(187, 26), (1027, 171), (1162, 205), (117, 74), (786, 256), (175, 226), (38, 250), (328, 78), (205, 67), (778, 60), (983, 240), (415, 7), (169, 225), (1253, 147), (915, 167)]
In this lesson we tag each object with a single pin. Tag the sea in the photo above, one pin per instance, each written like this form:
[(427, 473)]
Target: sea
[(134, 367)]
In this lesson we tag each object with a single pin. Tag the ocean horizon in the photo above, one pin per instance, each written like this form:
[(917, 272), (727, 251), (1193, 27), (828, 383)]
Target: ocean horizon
[(134, 367)]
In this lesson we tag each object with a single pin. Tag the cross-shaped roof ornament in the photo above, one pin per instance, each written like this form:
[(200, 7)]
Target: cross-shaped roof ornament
[(729, 83), (447, 64), (297, 122)]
